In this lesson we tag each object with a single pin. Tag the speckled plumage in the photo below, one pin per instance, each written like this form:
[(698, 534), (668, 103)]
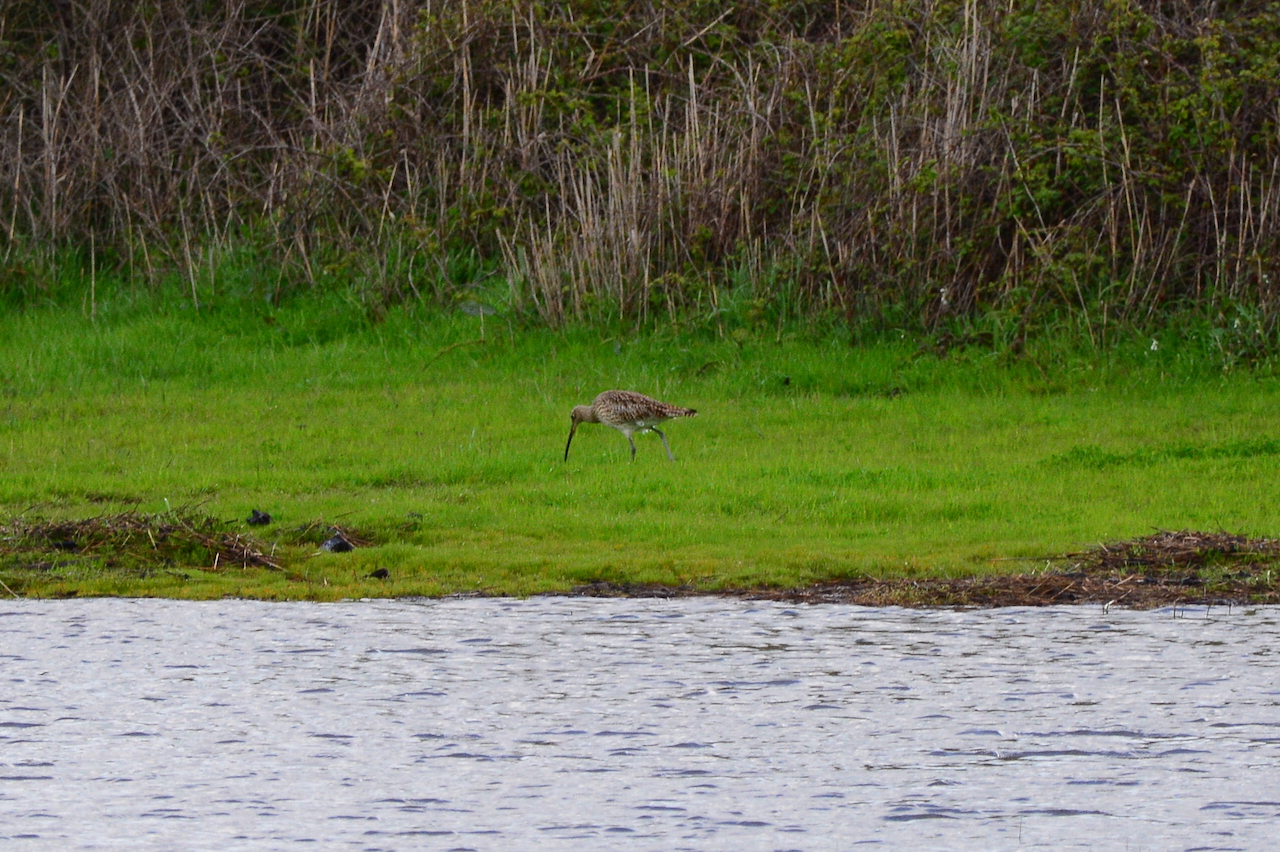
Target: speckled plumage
[(628, 412)]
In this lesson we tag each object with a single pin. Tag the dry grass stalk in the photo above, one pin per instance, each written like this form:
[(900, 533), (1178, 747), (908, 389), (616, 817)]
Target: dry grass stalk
[(952, 159)]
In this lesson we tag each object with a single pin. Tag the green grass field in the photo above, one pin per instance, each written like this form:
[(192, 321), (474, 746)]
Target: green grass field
[(810, 459)]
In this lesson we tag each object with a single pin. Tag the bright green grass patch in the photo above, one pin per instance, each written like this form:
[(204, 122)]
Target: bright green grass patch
[(809, 459)]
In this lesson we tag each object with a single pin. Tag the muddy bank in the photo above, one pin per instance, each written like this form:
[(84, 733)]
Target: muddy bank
[(1184, 567), (103, 555)]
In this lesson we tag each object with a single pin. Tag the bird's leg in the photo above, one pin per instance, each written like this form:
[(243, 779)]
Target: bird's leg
[(665, 445), (633, 447)]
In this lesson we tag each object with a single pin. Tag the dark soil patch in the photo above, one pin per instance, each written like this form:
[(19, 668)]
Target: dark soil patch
[(1167, 568)]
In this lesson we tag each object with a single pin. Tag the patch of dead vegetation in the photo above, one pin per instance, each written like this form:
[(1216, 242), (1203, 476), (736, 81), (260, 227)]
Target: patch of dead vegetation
[(39, 553), (130, 543), (319, 532), (1170, 550)]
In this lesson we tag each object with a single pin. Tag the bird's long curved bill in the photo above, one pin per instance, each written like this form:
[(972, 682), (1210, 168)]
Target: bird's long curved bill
[(572, 429)]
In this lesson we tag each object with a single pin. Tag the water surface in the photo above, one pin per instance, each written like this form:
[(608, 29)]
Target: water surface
[(576, 724)]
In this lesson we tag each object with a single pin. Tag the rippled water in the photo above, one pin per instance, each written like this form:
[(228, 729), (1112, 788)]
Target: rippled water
[(600, 724)]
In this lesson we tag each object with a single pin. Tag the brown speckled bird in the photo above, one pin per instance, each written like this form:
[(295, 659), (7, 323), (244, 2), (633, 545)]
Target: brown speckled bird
[(628, 412)]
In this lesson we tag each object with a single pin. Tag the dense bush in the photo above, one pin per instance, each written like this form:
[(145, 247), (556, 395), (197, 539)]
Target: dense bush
[(907, 161)]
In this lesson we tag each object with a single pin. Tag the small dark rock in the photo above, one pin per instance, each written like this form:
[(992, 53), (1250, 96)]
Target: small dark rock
[(786, 380), (380, 574), (258, 519), (338, 544)]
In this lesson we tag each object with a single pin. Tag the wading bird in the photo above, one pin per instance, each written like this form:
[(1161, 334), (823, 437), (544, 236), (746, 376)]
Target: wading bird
[(628, 412)]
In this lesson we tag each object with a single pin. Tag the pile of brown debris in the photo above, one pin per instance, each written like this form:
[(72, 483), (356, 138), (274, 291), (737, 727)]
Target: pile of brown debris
[(131, 541)]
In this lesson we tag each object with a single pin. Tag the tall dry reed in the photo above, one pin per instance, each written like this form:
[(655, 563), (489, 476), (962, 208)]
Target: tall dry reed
[(918, 159)]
